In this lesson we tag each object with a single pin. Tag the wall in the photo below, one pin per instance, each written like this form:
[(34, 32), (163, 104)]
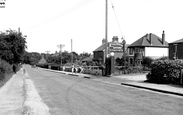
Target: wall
[(179, 51), (155, 52)]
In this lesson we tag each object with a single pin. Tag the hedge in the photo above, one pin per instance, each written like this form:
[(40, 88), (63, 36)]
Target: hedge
[(128, 69), (165, 71), (5, 68)]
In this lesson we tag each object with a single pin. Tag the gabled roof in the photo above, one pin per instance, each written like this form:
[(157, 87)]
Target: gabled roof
[(178, 41), (102, 47), (145, 41), (42, 60)]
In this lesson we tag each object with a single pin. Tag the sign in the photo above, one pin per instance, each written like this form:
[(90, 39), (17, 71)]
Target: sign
[(116, 47), (2, 3)]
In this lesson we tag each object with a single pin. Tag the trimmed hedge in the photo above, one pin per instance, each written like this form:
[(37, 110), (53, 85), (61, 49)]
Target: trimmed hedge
[(128, 69), (165, 71)]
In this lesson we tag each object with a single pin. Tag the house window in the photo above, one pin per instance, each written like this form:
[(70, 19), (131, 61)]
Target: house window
[(137, 50), (131, 51)]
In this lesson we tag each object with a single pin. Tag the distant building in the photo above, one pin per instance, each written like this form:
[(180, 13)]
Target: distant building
[(114, 46), (42, 60), (176, 49), (150, 45)]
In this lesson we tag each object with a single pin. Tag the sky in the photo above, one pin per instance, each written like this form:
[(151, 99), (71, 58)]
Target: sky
[(48, 23)]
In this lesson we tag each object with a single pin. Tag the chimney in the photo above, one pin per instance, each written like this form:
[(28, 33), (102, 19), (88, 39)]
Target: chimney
[(115, 39), (150, 39), (163, 38), (103, 41)]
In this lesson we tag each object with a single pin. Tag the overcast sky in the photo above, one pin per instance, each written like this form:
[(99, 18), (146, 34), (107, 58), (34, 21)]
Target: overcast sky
[(48, 23)]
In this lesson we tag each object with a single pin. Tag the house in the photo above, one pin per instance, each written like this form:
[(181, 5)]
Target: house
[(176, 49), (150, 45), (115, 46), (42, 60)]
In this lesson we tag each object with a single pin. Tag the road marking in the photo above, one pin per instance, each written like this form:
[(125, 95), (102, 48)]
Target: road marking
[(33, 104)]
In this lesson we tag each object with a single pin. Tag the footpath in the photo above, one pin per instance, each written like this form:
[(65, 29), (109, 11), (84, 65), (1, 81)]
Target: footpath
[(132, 80), (20, 97)]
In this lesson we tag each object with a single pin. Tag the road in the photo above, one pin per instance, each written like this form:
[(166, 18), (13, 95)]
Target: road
[(71, 95)]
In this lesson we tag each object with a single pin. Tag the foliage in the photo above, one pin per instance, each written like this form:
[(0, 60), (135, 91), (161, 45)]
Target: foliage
[(163, 58), (12, 46), (119, 61), (4, 68), (31, 58), (147, 61), (165, 71), (128, 69)]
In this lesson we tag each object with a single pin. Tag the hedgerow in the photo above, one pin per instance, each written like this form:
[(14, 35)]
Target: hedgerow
[(5, 68), (165, 71)]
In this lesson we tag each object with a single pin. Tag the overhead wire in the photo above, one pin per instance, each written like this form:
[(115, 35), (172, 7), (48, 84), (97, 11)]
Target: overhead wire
[(66, 12), (116, 18)]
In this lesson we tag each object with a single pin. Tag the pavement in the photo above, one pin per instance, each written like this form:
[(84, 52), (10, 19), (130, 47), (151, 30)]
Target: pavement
[(132, 80), (19, 97)]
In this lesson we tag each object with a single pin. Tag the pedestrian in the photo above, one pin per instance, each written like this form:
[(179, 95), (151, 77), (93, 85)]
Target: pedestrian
[(14, 68)]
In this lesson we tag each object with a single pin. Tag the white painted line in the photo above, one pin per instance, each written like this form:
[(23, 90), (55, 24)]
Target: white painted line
[(33, 104)]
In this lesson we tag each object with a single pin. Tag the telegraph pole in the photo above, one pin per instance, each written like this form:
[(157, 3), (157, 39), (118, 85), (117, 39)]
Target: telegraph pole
[(71, 53), (60, 47), (106, 30)]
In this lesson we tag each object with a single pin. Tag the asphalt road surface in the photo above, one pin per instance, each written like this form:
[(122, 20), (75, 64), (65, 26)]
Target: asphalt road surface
[(72, 95)]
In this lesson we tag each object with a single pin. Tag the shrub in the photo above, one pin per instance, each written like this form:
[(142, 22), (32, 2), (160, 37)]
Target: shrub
[(129, 69), (43, 65), (165, 71), (147, 61), (5, 68)]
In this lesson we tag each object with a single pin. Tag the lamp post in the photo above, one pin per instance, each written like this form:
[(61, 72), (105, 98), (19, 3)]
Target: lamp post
[(112, 63)]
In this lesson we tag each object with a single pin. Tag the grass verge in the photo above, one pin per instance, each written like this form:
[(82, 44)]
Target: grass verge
[(7, 78)]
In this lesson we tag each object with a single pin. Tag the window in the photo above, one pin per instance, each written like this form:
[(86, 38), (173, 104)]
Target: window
[(137, 50), (131, 51)]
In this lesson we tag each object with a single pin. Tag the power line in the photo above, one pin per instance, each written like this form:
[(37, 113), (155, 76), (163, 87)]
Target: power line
[(116, 17), (66, 12)]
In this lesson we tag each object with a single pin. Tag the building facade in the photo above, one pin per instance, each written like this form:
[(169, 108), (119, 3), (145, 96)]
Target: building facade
[(176, 49), (115, 46), (150, 45)]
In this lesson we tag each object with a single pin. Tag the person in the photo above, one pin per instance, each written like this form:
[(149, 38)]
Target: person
[(14, 68)]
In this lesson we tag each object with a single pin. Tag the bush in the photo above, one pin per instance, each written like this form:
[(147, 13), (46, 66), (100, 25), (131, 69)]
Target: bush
[(5, 68), (147, 61), (43, 65), (129, 69), (165, 71)]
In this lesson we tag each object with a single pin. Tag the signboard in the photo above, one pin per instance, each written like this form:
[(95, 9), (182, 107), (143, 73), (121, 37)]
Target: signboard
[(116, 47), (2, 3)]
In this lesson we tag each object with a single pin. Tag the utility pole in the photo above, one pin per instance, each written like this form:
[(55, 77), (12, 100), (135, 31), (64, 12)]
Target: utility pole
[(71, 53), (106, 30), (60, 47)]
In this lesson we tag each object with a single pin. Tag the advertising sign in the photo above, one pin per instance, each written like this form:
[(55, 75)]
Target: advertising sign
[(116, 47), (2, 3)]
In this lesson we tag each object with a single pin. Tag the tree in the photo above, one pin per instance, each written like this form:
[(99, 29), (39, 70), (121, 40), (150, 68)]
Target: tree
[(12, 46)]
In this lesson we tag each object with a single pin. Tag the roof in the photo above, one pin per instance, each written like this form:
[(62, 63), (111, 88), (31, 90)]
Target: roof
[(42, 61), (87, 59), (102, 47), (178, 41), (145, 41)]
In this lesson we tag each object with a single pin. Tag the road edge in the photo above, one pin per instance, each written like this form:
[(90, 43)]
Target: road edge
[(33, 104)]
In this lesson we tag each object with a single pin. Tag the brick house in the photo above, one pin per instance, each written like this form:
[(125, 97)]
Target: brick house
[(150, 45), (114, 46), (176, 49)]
